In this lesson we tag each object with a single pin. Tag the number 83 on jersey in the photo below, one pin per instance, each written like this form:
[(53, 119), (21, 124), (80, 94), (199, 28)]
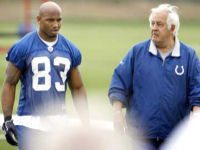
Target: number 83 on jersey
[(46, 85)]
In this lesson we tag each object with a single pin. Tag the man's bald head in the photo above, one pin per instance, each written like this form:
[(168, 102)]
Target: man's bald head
[(49, 20), (49, 6)]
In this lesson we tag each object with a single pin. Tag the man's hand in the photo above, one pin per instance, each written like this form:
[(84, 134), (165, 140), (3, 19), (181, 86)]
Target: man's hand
[(118, 118), (10, 132), (119, 122)]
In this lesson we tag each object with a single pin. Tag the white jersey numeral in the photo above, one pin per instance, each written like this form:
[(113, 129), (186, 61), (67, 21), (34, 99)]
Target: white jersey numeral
[(41, 74), (63, 74), (44, 74)]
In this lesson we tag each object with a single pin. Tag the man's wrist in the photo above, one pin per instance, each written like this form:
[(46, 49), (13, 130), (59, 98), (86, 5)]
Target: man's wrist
[(117, 111)]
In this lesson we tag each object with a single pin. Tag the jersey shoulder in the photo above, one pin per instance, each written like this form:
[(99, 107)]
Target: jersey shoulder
[(18, 52), (68, 46), (186, 48), (142, 45), (140, 48), (23, 44)]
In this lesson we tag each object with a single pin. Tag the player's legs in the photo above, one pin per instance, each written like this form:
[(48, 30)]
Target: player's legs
[(154, 144), (28, 138), (21, 137)]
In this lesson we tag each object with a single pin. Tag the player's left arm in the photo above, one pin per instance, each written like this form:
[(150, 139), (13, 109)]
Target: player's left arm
[(79, 95)]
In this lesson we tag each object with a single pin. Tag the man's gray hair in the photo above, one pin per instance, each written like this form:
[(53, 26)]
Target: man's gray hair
[(173, 17)]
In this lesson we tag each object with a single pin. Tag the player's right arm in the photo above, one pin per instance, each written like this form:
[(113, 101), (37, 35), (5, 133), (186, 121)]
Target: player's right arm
[(8, 91), (8, 96)]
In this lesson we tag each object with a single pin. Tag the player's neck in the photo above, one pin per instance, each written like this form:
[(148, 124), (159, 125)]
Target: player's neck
[(47, 38)]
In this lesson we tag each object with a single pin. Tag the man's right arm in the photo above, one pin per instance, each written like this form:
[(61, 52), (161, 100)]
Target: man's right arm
[(120, 90), (118, 117), (8, 90)]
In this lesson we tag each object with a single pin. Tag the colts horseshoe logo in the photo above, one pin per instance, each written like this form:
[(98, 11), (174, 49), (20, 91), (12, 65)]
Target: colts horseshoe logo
[(181, 71)]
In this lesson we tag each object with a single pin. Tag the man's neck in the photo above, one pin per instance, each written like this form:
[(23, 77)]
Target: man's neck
[(47, 39), (166, 46)]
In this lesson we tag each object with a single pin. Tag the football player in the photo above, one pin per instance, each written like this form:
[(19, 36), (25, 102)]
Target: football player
[(45, 62)]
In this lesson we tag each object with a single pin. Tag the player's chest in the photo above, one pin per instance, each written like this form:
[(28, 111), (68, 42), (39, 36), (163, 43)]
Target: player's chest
[(48, 70), (46, 61)]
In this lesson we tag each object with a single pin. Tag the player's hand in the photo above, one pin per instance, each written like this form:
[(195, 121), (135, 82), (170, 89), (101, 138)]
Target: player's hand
[(10, 132), (119, 121)]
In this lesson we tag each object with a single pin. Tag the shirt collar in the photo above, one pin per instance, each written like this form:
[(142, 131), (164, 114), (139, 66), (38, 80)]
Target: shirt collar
[(46, 42), (175, 52)]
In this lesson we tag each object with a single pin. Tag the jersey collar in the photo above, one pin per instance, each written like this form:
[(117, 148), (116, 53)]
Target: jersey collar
[(48, 43), (175, 52)]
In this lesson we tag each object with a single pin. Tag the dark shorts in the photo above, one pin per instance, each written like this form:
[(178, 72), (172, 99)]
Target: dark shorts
[(154, 144)]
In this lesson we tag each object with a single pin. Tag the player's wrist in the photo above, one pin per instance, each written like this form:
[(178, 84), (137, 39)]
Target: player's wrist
[(10, 131), (7, 118)]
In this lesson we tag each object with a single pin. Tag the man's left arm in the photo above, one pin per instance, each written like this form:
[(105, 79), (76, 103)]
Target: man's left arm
[(194, 84), (79, 95)]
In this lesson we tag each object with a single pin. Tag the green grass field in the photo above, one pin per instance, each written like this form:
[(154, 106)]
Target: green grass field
[(103, 45)]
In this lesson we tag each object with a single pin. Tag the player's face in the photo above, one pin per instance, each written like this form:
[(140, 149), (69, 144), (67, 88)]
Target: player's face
[(49, 24), (159, 29)]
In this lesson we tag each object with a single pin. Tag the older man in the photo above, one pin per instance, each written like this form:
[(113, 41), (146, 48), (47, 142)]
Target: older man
[(158, 81), (44, 61)]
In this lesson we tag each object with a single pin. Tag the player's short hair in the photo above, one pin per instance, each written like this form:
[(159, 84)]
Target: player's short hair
[(173, 17)]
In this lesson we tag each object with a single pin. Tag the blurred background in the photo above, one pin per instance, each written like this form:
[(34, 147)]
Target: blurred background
[(104, 31)]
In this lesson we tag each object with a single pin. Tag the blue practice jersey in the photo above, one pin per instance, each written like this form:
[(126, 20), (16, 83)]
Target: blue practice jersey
[(45, 72), (157, 94)]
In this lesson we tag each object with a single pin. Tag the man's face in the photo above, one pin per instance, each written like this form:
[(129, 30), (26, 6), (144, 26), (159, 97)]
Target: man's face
[(49, 24), (159, 29)]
